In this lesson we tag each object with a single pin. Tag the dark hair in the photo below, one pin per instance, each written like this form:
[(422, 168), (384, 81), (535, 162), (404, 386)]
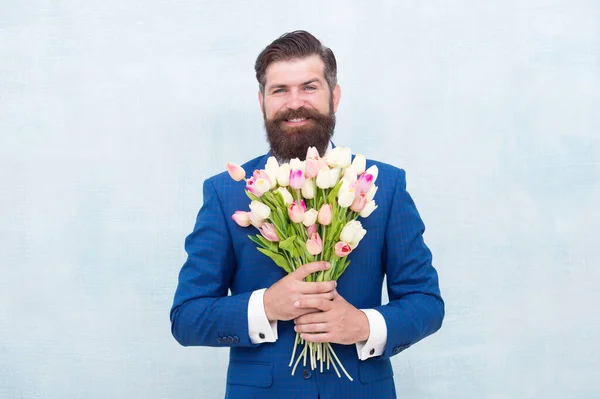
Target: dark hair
[(295, 45)]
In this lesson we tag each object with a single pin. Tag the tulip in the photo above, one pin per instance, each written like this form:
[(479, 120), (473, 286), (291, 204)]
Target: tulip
[(312, 229), (272, 168), (371, 192), (283, 175), (359, 163), (312, 153), (269, 232), (350, 174), (364, 182), (344, 157), (332, 157), (251, 186), (312, 168), (335, 175), (297, 164), (324, 179), (262, 186), (285, 194), (308, 189), (255, 220), (296, 211), (373, 171), (370, 206), (325, 215), (310, 217), (242, 218), (296, 179), (359, 203), (342, 249), (260, 210), (236, 172), (352, 233), (314, 245), (346, 197)]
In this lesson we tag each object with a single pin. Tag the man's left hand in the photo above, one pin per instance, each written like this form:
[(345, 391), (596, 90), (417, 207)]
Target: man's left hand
[(338, 322)]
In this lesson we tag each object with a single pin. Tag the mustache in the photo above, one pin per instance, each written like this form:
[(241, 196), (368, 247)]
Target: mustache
[(300, 113)]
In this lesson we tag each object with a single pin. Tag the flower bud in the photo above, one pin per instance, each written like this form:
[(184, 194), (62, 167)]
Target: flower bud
[(260, 210), (242, 218), (236, 172), (310, 217)]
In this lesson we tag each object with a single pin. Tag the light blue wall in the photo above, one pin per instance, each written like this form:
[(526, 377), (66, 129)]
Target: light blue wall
[(112, 113)]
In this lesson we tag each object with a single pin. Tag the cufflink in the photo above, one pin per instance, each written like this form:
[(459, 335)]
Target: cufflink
[(261, 335), (372, 352)]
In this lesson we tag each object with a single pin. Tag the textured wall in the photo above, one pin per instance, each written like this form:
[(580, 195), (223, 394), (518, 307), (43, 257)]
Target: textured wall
[(112, 113)]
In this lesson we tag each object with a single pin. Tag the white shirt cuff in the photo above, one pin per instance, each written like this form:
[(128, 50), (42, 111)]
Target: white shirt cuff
[(375, 344), (260, 329)]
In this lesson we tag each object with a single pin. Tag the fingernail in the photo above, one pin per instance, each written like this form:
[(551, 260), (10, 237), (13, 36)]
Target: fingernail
[(327, 265), (297, 304), (335, 282)]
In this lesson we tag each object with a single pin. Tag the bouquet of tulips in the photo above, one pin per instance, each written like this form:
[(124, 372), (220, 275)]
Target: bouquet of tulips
[(306, 211)]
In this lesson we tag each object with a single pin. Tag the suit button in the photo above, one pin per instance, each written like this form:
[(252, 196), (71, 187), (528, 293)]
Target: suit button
[(236, 340), (396, 350), (372, 352), (220, 340), (229, 340), (261, 336), (306, 374)]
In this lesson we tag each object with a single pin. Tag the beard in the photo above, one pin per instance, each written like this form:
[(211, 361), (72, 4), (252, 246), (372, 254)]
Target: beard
[(292, 142)]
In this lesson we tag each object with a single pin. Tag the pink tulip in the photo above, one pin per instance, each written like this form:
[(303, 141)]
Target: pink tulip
[(325, 215), (312, 168), (364, 182), (261, 174), (312, 229), (342, 249), (251, 186), (296, 179), (314, 245), (241, 218), (312, 153), (359, 203), (269, 232), (296, 211), (236, 172)]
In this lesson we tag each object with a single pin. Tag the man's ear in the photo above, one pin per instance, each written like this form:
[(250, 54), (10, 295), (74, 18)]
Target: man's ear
[(337, 93), (260, 100)]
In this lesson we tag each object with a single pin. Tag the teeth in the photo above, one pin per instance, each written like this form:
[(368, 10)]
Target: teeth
[(297, 120)]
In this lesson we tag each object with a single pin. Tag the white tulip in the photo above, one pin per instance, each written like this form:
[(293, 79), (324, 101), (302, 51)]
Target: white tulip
[(262, 185), (271, 168), (371, 192), (332, 156), (373, 171), (368, 209), (324, 178), (255, 220), (283, 175), (350, 174), (287, 197), (308, 190), (310, 217), (297, 164), (260, 210), (359, 163), (335, 175), (344, 157), (346, 197), (352, 233)]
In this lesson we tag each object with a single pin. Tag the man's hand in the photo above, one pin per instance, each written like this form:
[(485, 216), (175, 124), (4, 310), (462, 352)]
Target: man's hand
[(281, 298), (338, 321)]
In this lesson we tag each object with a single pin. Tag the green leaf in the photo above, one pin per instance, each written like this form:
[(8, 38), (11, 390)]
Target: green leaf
[(288, 244), (278, 259), (252, 196), (334, 192)]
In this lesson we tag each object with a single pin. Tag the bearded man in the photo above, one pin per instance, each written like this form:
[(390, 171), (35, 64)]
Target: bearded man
[(258, 321)]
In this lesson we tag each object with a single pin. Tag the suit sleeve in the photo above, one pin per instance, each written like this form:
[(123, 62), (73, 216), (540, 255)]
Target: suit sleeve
[(416, 308), (203, 314)]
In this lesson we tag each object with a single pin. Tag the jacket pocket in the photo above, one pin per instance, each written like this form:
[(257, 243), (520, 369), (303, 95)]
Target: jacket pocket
[(250, 373), (373, 370)]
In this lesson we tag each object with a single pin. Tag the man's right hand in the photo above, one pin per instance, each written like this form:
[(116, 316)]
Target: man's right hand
[(280, 299)]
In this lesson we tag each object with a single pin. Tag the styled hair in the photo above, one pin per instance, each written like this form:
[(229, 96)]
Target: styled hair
[(295, 45)]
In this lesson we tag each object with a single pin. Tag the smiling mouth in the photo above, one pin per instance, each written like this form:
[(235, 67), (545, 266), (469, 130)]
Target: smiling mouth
[(296, 121)]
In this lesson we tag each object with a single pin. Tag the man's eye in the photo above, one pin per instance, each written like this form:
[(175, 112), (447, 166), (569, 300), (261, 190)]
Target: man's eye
[(278, 91), (310, 88)]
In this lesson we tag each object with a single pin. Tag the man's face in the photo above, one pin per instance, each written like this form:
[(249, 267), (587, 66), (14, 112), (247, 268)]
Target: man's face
[(298, 107)]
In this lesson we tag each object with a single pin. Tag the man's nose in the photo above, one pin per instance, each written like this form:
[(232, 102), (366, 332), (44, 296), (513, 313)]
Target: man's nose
[(295, 100)]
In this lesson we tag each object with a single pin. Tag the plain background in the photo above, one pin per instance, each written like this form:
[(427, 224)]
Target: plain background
[(112, 113)]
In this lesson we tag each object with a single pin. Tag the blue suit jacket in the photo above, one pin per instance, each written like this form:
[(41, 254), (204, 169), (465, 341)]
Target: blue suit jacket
[(222, 258)]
